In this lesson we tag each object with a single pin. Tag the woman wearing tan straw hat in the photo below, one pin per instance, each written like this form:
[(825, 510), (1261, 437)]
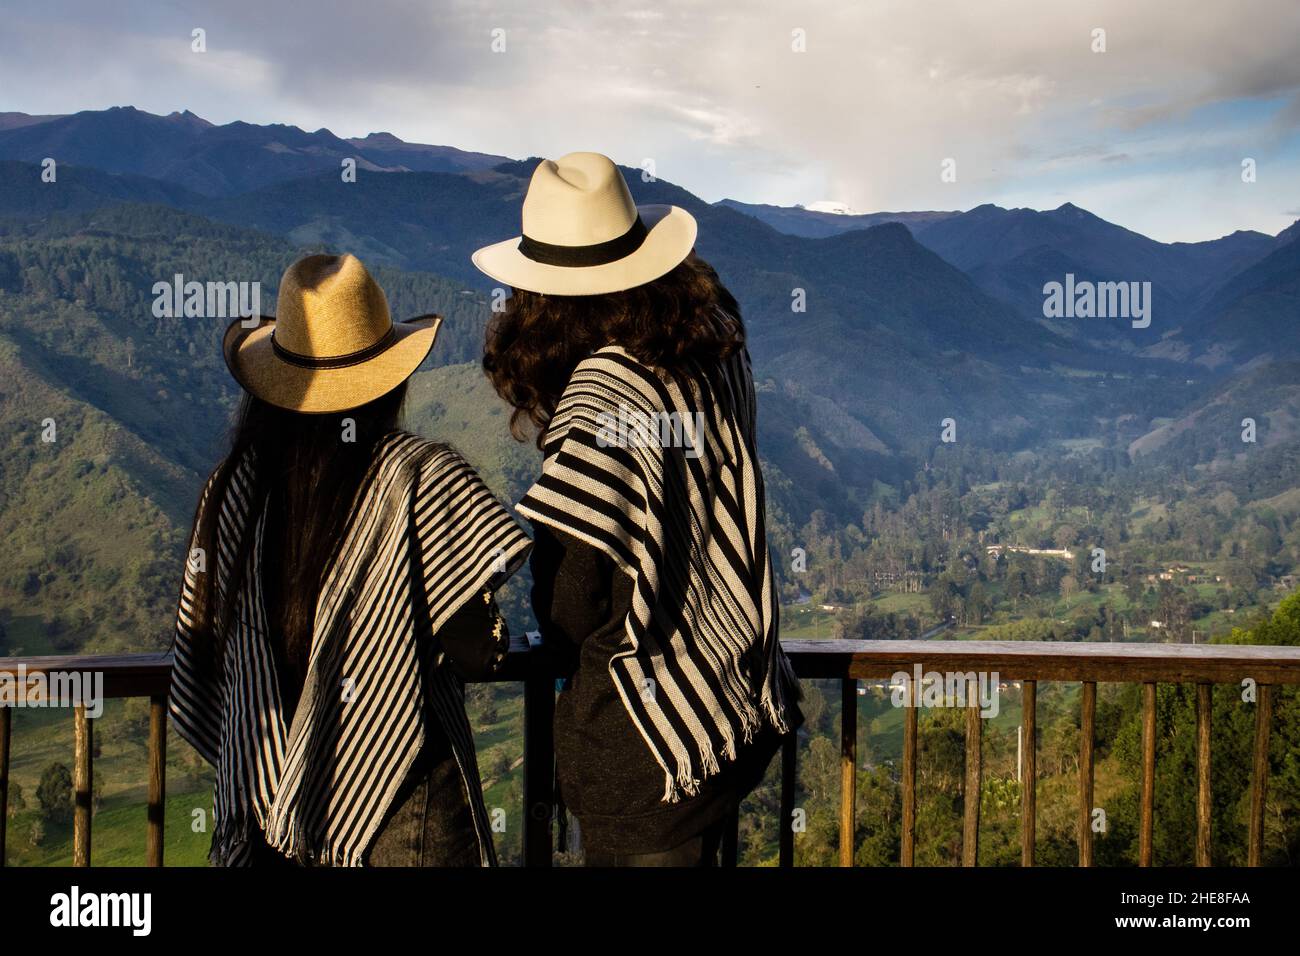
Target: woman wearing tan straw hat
[(652, 578), (338, 588)]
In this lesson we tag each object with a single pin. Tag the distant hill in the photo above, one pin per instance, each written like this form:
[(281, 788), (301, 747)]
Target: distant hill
[(389, 151), (186, 150), (15, 120), (1211, 426), (90, 521), (816, 224), (1012, 253), (1254, 317), (79, 189)]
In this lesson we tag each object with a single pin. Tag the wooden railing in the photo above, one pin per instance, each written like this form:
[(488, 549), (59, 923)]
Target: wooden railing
[(1030, 662), (846, 661), (129, 675)]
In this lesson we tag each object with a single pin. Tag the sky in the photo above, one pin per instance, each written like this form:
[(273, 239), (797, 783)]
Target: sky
[(771, 101)]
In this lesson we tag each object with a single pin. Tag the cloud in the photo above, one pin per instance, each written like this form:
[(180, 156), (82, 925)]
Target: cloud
[(714, 93)]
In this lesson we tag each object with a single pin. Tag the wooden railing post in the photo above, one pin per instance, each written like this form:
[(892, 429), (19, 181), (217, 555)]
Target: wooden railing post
[(789, 769), (1029, 772), (848, 768), (157, 779), (970, 832), (1259, 776), (82, 784), (1204, 714), (1147, 824), (1087, 736), (907, 849)]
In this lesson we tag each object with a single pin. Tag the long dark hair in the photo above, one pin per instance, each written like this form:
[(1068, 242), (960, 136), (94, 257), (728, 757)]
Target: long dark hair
[(307, 476), (535, 344)]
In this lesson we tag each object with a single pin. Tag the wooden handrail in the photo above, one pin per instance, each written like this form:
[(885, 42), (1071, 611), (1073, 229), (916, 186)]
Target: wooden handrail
[(149, 675), (144, 675), (1065, 661)]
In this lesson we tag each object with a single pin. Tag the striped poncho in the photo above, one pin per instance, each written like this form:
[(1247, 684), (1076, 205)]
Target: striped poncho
[(426, 536), (660, 472)]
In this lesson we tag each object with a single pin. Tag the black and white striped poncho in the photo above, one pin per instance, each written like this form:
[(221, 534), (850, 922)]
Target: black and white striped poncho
[(660, 472), (427, 536)]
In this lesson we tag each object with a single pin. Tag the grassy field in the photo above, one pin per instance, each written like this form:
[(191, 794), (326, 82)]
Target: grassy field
[(904, 602), (118, 834), (810, 622), (806, 622)]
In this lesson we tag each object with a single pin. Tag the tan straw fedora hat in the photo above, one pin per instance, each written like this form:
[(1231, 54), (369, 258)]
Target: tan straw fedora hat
[(583, 235), (332, 345)]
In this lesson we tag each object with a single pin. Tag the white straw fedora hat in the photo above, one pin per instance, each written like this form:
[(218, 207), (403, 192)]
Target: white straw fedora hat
[(332, 345), (583, 235)]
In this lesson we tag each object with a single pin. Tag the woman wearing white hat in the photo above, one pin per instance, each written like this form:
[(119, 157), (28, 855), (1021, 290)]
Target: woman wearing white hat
[(652, 577), (338, 588)]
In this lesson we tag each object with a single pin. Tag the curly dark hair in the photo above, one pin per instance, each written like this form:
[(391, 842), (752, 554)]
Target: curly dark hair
[(533, 346)]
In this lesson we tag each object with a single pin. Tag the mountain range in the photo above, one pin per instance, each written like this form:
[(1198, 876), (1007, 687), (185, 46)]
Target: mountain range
[(186, 150), (818, 224), (1011, 253)]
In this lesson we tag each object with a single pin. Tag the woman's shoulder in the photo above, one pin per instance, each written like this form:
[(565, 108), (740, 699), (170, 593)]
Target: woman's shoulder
[(610, 371), (424, 454), (228, 475), (612, 356), (431, 463), (612, 376)]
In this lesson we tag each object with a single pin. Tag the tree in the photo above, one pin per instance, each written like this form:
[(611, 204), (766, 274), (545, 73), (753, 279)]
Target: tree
[(133, 725), (813, 706), (500, 765), (1060, 746), (54, 793), (977, 604), (877, 819), (855, 625), (1174, 609), (1134, 589), (17, 803), (1068, 586), (1016, 586)]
